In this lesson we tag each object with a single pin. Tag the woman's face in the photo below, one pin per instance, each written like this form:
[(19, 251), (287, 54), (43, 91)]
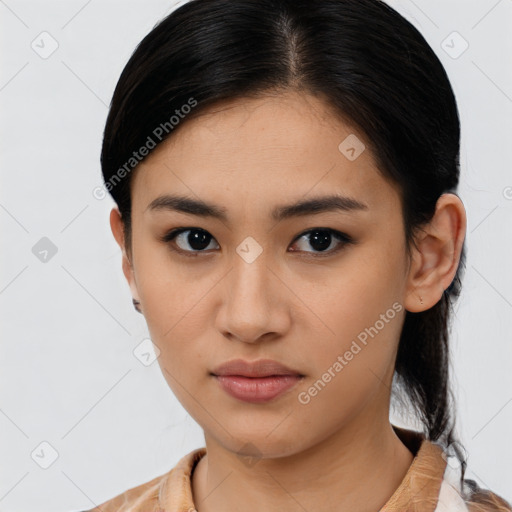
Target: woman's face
[(252, 286)]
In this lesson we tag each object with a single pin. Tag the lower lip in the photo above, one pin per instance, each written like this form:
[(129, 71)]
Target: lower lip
[(257, 389)]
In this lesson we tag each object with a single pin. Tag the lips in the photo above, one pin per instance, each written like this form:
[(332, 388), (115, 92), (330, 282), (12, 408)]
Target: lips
[(260, 368), (256, 382)]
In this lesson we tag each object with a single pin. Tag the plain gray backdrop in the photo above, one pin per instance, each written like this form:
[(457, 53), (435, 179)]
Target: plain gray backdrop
[(81, 417)]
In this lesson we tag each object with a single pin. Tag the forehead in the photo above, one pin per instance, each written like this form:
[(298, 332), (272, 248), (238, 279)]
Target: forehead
[(263, 150)]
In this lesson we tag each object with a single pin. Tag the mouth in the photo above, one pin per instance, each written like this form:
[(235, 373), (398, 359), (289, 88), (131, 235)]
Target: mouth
[(257, 389), (257, 381)]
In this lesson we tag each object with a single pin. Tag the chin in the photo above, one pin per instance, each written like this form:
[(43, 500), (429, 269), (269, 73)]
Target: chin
[(261, 444)]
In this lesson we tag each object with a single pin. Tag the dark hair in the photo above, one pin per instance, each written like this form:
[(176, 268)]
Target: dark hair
[(378, 74)]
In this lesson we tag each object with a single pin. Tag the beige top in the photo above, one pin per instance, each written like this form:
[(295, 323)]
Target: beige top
[(430, 485)]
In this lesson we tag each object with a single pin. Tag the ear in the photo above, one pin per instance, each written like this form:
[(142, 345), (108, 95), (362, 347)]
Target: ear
[(436, 256), (116, 224)]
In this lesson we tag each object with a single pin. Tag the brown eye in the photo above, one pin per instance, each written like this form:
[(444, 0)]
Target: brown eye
[(189, 239), (323, 240), (193, 241)]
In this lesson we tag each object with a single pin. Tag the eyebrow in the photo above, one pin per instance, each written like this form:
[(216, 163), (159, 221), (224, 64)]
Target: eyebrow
[(315, 205)]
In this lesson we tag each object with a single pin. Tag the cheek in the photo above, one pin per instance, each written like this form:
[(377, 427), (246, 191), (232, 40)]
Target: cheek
[(170, 303), (353, 368), (361, 319), (353, 296), (162, 287)]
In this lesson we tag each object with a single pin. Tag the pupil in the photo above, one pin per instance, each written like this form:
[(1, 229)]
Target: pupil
[(198, 240), (322, 239)]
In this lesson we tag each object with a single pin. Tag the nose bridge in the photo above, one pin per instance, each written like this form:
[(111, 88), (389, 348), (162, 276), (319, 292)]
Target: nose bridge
[(250, 282), (248, 310)]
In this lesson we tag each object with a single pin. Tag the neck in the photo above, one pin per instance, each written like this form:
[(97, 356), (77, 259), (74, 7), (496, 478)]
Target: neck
[(357, 468)]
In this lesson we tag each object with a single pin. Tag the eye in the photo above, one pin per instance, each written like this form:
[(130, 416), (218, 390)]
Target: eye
[(197, 239), (323, 240)]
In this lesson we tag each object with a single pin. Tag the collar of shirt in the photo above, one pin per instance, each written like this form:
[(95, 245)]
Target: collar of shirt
[(418, 491), (431, 484)]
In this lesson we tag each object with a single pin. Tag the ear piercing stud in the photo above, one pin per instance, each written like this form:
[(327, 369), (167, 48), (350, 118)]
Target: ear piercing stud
[(136, 305)]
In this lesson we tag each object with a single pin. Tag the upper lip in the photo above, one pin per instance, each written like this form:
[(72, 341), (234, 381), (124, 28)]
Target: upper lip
[(259, 368)]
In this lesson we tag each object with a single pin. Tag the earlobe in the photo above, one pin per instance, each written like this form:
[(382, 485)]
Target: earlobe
[(436, 254)]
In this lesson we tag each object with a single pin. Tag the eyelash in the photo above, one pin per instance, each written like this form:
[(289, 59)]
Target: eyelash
[(343, 238)]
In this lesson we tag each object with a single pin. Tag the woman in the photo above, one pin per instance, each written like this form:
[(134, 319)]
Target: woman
[(285, 174)]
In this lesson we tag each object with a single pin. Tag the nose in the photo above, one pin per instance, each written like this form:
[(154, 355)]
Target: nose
[(254, 305)]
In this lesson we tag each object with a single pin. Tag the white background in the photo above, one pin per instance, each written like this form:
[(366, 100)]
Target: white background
[(68, 375)]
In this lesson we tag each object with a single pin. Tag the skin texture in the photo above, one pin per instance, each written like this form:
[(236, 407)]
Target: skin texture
[(291, 304)]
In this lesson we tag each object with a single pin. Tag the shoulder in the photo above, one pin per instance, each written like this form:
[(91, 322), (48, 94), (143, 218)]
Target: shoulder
[(167, 491), (468, 497), (143, 498), (484, 500)]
